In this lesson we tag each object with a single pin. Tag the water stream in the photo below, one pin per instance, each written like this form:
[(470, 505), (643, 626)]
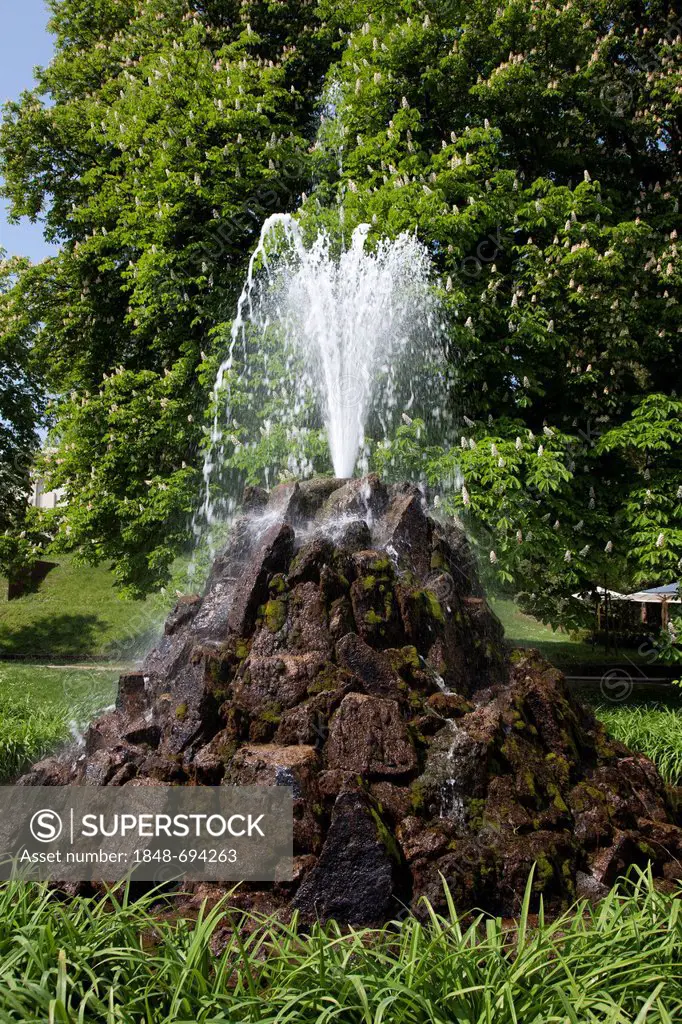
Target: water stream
[(351, 337)]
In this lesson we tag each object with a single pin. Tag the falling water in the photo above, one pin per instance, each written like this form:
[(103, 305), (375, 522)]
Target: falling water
[(353, 338)]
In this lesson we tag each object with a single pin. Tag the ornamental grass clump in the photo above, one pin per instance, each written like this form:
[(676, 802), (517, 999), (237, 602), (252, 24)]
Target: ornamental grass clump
[(116, 961), (655, 731), (28, 731)]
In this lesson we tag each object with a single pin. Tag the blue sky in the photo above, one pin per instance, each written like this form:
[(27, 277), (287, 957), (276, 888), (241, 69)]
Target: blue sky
[(24, 43)]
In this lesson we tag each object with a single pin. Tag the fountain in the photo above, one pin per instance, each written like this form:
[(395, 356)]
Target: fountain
[(358, 336), (343, 646)]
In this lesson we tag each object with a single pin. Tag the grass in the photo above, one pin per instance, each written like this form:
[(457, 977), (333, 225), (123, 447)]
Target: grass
[(562, 649), (76, 614), (27, 733), (41, 708), (118, 962), (654, 731)]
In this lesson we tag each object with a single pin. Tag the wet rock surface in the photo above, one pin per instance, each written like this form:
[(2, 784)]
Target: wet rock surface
[(343, 647)]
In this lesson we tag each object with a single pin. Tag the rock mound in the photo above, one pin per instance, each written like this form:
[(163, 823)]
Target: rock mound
[(343, 647)]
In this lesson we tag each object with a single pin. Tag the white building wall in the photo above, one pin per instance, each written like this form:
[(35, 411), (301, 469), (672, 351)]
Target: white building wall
[(40, 498)]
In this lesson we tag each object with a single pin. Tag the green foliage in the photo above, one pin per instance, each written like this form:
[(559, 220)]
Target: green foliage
[(39, 708), (647, 449), (533, 146), (171, 133), (104, 960), (27, 732), (20, 412), (654, 731)]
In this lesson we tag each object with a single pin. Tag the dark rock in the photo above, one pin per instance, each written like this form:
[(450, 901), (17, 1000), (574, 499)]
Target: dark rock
[(312, 494), (273, 555), (352, 536), (356, 499), (210, 761), (368, 736), (293, 766), (355, 880), (455, 773), (341, 621), (359, 664), (103, 766), (407, 530), (279, 681), (51, 771), (308, 723), (448, 705), (376, 674), (334, 781), (393, 800), (132, 698), (417, 839), (255, 499), (103, 733), (376, 611), (273, 765), (310, 561), (142, 732), (184, 611), (451, 552)]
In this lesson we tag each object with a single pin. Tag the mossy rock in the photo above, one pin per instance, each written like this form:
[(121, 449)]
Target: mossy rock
[(275, 614)]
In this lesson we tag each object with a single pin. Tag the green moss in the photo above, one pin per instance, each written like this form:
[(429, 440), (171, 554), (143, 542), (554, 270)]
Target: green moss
[(381, 565), (181, 712), (560, 767), (271, 714), (275, 614), (278, 584), (385, 836), (427, 608), (368, 582), (437, 560), (544, 872), (372, 619), (327, 679), (417, 796), (556, 797), (241, 649), (475, 811), (434, 606)]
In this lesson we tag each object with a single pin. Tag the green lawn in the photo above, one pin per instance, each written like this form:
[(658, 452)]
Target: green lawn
[(561, 648), (77, 614), (41, 708), (76, 690)]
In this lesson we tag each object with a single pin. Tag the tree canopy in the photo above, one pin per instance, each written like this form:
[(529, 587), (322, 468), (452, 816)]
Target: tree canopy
[(20, 412), (533, 145)]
